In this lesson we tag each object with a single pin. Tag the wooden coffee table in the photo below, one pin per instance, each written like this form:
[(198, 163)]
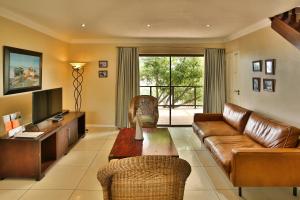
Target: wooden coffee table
[(157, 141)]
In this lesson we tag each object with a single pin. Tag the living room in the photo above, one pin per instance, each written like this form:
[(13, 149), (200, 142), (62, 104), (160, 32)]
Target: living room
[(93, 31)]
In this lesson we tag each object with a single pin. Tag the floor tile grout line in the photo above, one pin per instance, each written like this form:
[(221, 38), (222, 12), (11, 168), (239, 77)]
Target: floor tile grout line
[(76, 187), (30, 188), (23, 194), (82, 176), (73, 190)]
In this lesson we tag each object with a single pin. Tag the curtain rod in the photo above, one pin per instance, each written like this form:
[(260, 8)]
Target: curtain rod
[(161, 47)]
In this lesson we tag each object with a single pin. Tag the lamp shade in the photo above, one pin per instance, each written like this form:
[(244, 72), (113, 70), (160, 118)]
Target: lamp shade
[(77, 65)]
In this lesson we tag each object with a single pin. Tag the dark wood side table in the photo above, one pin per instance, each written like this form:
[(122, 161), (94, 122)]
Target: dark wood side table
[(157, 141)]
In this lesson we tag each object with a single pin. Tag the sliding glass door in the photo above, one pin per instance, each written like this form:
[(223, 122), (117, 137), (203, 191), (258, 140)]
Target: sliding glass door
[(177, 83)]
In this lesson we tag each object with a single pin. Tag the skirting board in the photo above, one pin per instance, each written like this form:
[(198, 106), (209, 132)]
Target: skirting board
[(100, 126)]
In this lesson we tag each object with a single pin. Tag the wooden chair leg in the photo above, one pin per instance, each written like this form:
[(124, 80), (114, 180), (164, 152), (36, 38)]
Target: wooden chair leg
[(295, 191), (240, 191)]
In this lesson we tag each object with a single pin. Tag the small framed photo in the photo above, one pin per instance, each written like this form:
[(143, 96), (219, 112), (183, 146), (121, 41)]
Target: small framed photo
[(270, 66), (257, 65), (269, 85), (102, 73), (103, 64), (256, 84)]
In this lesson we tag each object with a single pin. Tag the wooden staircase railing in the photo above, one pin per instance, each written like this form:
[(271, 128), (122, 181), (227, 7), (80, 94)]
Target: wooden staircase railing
[(287, 25)]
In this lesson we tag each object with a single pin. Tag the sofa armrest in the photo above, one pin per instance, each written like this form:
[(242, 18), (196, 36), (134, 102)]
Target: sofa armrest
[(265, 167), (208, 117)]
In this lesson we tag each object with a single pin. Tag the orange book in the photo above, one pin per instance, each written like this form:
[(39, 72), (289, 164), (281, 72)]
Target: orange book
[(8, 126), (15, 123)]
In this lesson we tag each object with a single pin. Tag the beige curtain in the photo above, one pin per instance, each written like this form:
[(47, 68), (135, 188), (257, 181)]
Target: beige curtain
[(127, 82), (214, 81)]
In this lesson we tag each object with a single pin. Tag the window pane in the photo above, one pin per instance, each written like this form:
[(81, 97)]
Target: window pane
[(187, 71), (184, 92), (154, 71), (155, 81), (187, 88)]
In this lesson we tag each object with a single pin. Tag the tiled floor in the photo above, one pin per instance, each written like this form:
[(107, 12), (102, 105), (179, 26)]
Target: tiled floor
[(74, 176)]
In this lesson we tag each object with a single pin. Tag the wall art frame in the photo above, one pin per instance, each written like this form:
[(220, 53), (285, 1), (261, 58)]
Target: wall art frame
[(22, 70)]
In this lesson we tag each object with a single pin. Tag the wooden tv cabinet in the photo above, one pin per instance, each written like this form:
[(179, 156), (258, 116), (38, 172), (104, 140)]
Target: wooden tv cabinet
[(31, 157)]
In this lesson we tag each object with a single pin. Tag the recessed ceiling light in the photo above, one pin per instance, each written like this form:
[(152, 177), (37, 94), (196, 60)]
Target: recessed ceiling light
[(207, 25), (148, 25), (82, 25)]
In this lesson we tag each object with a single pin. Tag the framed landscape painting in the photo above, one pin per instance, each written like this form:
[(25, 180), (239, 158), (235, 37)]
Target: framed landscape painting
[(22, 70)]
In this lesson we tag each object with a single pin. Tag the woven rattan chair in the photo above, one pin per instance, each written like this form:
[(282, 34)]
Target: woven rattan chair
[(144, 178), (148, 106)]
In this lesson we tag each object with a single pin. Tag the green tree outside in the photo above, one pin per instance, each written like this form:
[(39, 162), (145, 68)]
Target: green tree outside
[(185, 71)]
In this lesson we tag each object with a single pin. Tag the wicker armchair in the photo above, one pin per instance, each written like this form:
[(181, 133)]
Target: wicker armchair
[(144, 178), (149, 108)]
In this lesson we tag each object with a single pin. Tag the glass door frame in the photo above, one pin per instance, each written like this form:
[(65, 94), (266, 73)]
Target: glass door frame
[(170, 83)]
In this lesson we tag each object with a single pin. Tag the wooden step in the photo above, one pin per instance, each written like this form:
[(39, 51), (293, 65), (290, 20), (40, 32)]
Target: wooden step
[(286, 31)]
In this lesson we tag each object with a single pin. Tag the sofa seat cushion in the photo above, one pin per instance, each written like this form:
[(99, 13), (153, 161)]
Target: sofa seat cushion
[(270, 133), (236, 116), (213, 128), (221, 148)]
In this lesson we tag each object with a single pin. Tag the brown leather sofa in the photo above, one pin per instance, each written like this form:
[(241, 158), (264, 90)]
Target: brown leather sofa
[(252, 150)]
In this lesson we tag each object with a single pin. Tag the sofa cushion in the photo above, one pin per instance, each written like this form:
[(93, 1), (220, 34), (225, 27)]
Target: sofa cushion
[(213, 128), (270, 133), (236, 116), (221, 148)]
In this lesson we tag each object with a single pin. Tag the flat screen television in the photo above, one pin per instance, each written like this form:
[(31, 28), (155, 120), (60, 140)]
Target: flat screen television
[(46, 104)]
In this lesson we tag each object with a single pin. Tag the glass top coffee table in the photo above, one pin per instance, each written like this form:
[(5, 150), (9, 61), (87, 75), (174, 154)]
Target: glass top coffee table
[(157, 141)]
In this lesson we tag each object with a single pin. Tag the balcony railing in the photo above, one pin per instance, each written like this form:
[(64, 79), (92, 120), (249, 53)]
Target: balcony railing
[(171, 99)]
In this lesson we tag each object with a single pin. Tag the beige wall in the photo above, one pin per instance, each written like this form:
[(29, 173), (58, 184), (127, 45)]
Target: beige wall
[(283, 104), (56, 73), (99, 94)]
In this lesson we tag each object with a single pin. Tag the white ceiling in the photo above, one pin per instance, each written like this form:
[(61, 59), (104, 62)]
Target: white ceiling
[(129, 18)]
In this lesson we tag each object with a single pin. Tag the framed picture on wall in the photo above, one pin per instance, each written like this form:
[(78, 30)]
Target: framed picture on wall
[(102, 73), (103, 64), (269, 85), (22, 70), (257, 65), (256, 84), (270, 66)]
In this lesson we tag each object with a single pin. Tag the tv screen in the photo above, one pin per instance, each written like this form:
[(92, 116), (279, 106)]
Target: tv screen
[(45, 104)]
